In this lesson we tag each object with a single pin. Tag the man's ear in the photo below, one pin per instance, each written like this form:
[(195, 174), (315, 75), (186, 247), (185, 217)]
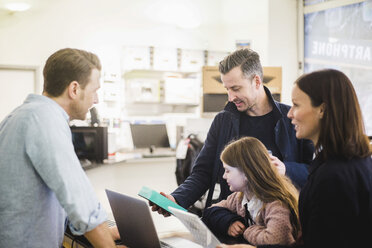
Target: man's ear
[(73, 90), (257, 81)]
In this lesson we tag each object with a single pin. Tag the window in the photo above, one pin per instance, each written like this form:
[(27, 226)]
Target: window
[(340, 37)]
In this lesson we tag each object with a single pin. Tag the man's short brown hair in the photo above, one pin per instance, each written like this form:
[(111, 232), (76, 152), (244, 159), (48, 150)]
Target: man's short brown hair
[(68, 65)]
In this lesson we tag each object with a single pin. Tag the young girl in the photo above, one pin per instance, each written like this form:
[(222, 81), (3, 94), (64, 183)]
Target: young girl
[(264, 207)]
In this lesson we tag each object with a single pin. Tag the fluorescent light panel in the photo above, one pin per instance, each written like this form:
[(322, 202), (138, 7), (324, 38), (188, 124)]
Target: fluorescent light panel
[(17, 6)]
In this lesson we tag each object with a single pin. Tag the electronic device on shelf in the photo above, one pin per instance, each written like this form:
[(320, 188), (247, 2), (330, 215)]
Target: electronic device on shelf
[(151, 140), (90, 143)]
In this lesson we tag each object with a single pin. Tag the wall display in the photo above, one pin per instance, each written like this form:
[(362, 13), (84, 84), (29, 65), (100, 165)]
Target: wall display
[(341, 38), (167, 80)]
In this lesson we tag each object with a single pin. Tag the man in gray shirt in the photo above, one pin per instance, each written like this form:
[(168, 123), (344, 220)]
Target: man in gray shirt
[(42, 182)]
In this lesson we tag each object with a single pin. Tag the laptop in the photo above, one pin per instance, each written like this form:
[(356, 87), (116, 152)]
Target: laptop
[(135, 225), (199, 231), (151, 140)]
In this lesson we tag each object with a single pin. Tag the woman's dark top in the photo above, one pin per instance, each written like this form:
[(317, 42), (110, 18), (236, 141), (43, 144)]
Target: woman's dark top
[(335, 205)]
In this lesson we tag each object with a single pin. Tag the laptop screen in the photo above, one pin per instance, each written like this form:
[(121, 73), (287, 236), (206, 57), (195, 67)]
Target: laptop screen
[(134, 221), (149, 135)]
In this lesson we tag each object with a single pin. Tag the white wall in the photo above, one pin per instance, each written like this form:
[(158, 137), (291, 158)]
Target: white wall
[(105, 26), (282, 42), (14, 96)]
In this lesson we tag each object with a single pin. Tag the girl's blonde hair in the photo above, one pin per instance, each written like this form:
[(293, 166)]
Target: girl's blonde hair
[(264, 181)]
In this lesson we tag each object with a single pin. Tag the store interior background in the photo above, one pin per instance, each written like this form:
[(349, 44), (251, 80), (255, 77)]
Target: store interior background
[(28, 38), (106, 27)]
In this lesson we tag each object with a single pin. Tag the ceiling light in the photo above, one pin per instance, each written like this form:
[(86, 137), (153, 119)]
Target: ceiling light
[(181, 13), (16, 7)]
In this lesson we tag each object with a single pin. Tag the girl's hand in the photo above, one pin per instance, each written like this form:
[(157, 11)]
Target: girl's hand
[(279, 165), (237, 228)]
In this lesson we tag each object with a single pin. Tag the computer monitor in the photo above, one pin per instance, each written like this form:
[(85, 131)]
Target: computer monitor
[(214, 102), (90, 143), (149, 136)]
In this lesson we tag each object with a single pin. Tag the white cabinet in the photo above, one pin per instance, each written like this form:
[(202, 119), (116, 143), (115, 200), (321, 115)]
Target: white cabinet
[(154, 92), (161, 80)]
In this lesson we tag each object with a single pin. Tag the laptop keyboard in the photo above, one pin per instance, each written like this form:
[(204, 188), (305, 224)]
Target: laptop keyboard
[(157, 155), (165, 245)]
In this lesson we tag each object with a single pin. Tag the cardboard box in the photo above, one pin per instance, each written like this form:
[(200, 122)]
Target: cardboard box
[(273, 79), (213, 87), (212, 83)]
